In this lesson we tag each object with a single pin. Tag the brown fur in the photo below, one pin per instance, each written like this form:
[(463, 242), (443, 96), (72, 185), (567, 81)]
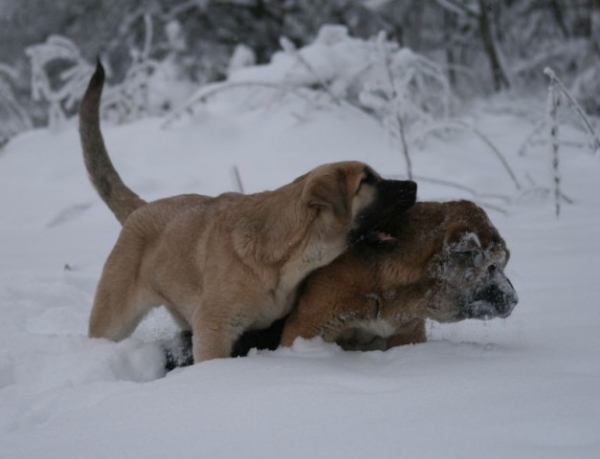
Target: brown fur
[(230, 263), (447, 265)]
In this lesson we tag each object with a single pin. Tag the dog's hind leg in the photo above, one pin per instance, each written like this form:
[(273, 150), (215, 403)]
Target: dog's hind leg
[(116, 312), (122, 299)]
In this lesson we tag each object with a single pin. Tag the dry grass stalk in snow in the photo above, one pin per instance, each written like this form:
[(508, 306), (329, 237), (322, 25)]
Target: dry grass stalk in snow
[(553, 105)]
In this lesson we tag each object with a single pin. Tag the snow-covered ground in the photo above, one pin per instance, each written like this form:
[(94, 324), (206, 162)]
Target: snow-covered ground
[(523, 387)]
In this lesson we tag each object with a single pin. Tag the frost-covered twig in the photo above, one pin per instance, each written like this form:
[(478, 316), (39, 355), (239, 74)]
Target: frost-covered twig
[(543, 192), (130, 99), (404, 91), (17, 116), (459, 8), (539, 190), (394, 95), (561, 142), (13, 117), (553, 104), (238, 179), (60, 98), (63, 91), (557, 83), (461, 125), (447, 183), (459, 186), (530, 137), (496, 151), (147, 37), (212, 90), (289, 48), (401, 129), (181, 9)]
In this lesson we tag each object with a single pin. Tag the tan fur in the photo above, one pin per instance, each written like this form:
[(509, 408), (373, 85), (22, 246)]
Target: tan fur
[(220, 265), (438, 270)]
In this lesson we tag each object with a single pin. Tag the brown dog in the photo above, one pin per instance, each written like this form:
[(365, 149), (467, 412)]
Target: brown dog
[(230, 263), (446, 265)]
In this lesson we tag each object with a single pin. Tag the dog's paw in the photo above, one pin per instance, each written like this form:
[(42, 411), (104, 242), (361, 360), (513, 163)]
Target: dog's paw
[(178, 351)]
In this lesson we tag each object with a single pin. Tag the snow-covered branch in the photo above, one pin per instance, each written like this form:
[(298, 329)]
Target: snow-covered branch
[(459, 8), (13, 117), (62, 93), (553, 105), (461, 125), (556, 83)]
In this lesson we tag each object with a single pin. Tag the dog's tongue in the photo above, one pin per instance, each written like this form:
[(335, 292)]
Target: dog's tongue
[(377, 236), (384, 237)]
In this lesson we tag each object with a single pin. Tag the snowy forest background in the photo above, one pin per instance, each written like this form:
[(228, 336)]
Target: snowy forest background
[(476, 47), (493, 101)]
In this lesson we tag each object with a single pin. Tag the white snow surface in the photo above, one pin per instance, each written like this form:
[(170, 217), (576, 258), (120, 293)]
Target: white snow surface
[(524, 387)]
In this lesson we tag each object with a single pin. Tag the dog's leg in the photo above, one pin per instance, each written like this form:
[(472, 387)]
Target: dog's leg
[(296, 328), (121, 300), (414, 335), (214, 334), (116, 312), (328, 316), (209, 343)]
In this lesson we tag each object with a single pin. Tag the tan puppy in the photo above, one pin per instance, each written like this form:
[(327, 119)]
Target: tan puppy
[(230, 263), (446, 265)]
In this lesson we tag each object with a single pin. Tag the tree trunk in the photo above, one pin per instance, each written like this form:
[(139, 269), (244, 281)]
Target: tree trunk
[(449, 29), (489, 43), (416, 26), (557, 13)]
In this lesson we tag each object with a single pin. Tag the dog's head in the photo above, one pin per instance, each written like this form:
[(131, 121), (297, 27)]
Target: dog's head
[(352, 195), (469, 269)]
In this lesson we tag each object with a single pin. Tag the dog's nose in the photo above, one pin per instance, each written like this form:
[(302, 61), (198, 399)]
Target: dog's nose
[(509, 303), (411, 186), (504, 300), (404, 189), (506, 308), (410, 189)]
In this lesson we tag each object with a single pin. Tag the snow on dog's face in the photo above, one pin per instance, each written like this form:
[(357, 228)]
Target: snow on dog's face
[(470, 273)]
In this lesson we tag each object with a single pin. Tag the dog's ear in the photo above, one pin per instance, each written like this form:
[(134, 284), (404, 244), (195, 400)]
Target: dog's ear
[(330, 188), (464, 240)]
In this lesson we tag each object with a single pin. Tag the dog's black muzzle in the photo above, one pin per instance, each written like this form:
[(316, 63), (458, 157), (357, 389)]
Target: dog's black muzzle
[(393, 197)]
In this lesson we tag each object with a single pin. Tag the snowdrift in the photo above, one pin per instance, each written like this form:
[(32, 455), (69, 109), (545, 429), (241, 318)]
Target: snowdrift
[(521, 388)]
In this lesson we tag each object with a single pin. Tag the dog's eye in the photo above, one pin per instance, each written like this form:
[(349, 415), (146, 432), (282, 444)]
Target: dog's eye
[(368, 178), (472, 257)]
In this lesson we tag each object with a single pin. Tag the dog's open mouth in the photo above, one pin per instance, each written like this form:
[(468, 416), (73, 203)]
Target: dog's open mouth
[(376, 224), (385, 237), (375, 236)]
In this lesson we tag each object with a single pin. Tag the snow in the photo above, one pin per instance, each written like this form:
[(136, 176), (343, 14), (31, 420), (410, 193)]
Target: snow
[(367, 72), (523, 387)]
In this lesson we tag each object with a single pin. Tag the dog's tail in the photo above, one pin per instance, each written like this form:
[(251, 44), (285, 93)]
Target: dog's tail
[(117, 196)]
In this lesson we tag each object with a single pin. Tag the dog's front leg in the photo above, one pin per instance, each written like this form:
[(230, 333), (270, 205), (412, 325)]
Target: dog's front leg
[(413, 333), (214, 335)]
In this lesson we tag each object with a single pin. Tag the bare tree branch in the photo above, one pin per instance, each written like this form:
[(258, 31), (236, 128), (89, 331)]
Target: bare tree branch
[(458, 8)]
